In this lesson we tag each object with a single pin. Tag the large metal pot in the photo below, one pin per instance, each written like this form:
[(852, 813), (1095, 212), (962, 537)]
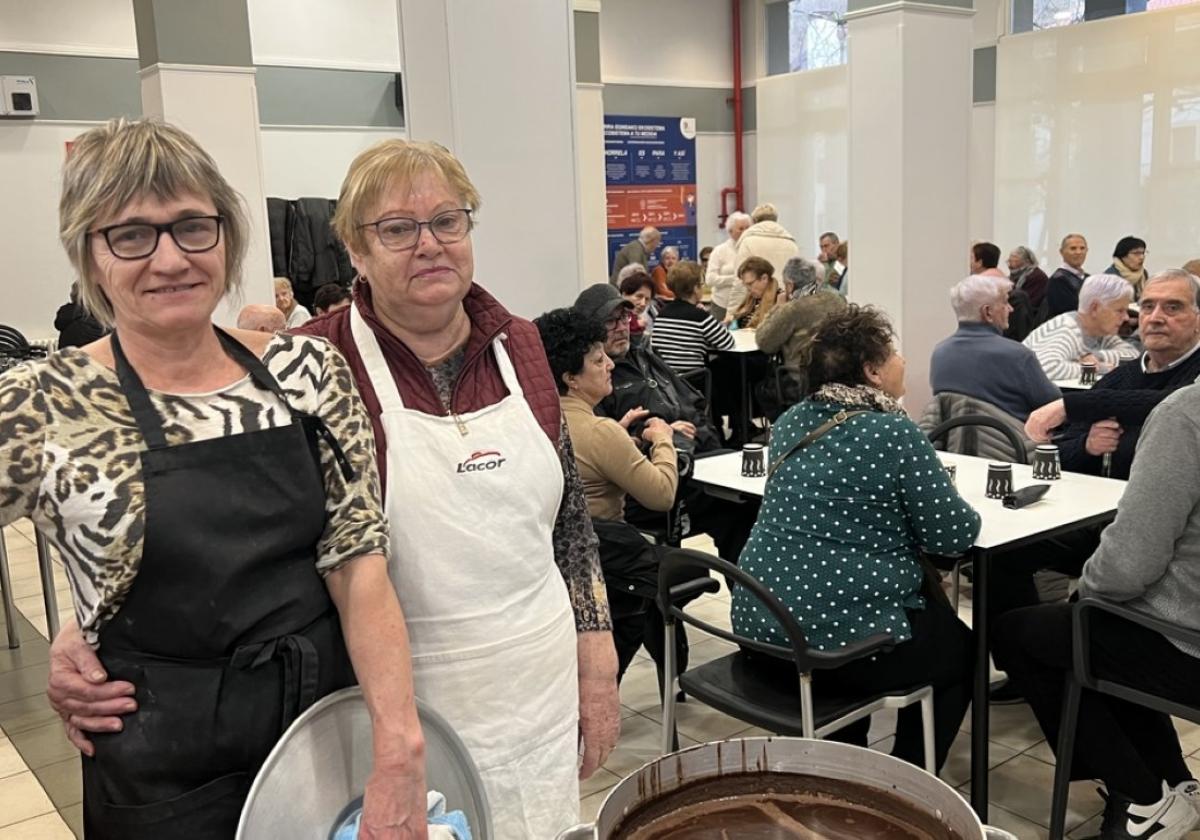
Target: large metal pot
[(826, 759)]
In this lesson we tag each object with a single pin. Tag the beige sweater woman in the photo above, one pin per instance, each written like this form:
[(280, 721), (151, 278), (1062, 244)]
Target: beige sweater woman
[(612, 466)]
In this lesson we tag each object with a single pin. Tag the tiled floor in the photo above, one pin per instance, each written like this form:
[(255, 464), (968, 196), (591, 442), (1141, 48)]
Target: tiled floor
[(39, 771), (1022, 765)]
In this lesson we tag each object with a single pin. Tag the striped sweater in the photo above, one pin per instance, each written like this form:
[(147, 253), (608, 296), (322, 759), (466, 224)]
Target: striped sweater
[(1059, 343), (684, 334)]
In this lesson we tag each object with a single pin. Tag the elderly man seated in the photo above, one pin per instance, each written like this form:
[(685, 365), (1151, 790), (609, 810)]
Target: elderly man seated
[(1107, 420), (1088, 336), (644, 387), (1149, 561), (978, 361)]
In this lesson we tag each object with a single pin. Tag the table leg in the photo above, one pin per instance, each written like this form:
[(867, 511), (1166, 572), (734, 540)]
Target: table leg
[(979, 700), (10, 609), (745, 380)]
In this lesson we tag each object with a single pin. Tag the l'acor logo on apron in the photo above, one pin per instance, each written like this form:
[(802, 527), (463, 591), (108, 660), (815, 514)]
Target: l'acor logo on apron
[(484, 460)]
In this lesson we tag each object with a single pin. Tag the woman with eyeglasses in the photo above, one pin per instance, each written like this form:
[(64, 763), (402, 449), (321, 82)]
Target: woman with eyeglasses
[(214, 497), (762, 291), (493, 554)]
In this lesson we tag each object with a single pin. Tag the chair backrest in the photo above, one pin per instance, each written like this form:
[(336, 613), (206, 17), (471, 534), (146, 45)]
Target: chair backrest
[(13, 343), (677, 579), (1081, 619), (701, 380), (968, 426)]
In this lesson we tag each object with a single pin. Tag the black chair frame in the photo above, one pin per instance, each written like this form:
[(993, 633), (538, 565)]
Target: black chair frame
[(677, 580), (1082, 676), (946, 426)]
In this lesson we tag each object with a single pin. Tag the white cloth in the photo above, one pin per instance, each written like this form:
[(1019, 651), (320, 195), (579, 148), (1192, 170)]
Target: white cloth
[(771, 242), (727, 290), (472, 501), (298, 317)]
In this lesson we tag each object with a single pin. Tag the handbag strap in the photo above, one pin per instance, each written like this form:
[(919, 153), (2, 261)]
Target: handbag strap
[(830, 424)]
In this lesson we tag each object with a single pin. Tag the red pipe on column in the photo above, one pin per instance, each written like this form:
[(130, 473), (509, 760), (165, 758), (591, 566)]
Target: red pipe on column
[(736, 6)]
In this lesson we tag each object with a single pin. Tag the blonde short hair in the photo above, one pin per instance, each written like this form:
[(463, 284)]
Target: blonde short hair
[(378, 168), (127, 160), (765, 213)]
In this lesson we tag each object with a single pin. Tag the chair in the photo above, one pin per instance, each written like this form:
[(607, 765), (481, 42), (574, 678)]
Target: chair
[(732, 686), (15, 348), (1082, 677), (969, 444), (701, 379)]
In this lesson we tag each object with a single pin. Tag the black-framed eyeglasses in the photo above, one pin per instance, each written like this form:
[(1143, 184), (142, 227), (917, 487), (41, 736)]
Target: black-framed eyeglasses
[(398, 233), (138, 240)]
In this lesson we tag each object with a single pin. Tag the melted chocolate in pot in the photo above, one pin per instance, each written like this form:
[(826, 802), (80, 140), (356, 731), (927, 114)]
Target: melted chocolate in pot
[(780, 806)]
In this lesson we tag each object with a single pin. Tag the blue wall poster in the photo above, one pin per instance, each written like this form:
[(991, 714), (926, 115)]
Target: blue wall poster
[(650, 170)]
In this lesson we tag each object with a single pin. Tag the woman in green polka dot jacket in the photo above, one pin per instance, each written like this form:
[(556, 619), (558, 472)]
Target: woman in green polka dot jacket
[(843, 521)]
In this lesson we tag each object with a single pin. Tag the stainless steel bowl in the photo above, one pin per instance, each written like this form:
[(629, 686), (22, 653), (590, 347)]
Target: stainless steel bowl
[(322, 762), (827, 759)]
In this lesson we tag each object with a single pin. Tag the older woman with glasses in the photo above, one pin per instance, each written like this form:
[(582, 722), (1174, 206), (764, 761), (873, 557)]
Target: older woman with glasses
[(215, 500)]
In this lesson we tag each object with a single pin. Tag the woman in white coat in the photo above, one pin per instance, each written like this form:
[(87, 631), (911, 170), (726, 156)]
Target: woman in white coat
[(767, 238)]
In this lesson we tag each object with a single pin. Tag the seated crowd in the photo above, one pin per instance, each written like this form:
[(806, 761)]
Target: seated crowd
[(1023, 343)]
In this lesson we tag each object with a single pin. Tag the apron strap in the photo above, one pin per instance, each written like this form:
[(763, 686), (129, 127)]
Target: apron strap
[(150, 423), (507, 372), (144, 414), (386, 390), (300, 669)]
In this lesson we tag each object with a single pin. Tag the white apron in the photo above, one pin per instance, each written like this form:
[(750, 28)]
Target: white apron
[(492, 629)]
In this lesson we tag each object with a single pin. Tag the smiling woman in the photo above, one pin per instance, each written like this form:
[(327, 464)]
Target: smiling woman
[(230, 570)]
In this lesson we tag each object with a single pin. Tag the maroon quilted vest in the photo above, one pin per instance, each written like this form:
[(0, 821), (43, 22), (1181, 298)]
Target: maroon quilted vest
[(479, 384)]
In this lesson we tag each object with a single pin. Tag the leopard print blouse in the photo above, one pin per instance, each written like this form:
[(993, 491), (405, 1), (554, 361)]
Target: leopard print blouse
[(69, 452)]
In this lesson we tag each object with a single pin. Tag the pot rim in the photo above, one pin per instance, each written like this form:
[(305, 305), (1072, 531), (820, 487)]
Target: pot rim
[(760, 744)]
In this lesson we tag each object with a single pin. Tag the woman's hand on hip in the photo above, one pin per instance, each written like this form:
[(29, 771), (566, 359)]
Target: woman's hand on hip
[(599, 700), (80, 692), (394, 805)]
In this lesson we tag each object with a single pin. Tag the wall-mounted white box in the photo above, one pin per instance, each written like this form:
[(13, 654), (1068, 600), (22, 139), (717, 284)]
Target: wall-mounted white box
[(18, 96)]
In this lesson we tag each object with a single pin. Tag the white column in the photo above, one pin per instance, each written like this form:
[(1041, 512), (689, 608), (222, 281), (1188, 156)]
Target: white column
[(219, 107), (910, 117), (495, 83)]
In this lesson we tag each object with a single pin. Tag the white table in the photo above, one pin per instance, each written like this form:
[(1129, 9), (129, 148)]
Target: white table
[(744, 341), (1074, 502)]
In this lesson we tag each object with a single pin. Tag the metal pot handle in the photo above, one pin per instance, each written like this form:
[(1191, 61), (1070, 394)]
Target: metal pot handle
[(585, 831), (997, 834)]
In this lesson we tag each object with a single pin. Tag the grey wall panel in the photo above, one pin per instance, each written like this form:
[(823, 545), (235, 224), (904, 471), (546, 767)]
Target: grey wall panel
[(710, 106), (79, 88), (587, 47), (85, 88), (215, 32), (312, 96), (984, 80)]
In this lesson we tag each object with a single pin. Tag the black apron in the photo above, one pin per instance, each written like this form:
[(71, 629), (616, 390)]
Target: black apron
[(228, 631)]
